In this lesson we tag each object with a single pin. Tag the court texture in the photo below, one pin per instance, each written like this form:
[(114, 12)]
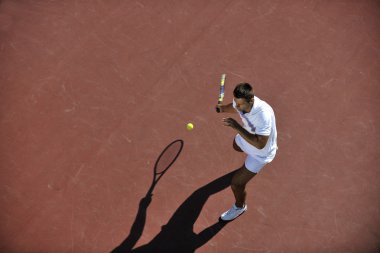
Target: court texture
[(96, 95)]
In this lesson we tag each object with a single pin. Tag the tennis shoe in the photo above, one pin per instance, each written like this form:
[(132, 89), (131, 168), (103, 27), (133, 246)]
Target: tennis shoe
[(233, 213)]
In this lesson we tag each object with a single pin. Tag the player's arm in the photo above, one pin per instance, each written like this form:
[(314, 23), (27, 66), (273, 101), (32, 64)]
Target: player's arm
[(258, 141), (225, 108)]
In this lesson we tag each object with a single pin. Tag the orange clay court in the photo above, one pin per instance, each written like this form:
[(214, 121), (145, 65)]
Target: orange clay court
[(96, 94)]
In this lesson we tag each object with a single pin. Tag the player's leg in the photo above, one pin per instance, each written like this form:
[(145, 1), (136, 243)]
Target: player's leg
[(236, 147), (239, 181), (251, 167), (238, 184)]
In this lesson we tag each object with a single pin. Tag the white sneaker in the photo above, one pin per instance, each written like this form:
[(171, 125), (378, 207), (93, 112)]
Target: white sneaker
[(233, 213)]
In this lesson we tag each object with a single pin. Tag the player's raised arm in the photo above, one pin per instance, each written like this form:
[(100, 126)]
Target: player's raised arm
[(225, 108)]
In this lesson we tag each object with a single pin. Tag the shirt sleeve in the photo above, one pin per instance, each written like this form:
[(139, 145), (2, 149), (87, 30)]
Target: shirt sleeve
[(263, 123)]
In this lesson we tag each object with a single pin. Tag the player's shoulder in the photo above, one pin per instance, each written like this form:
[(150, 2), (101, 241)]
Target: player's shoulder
[(263, 111), (263, 106), (258, 105)]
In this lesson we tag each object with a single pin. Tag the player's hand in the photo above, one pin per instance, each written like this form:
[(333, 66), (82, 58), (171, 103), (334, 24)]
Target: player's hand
[(231, 123), (219, 108)]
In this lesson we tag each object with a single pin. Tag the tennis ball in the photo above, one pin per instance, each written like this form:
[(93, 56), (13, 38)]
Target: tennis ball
[(189, 126)]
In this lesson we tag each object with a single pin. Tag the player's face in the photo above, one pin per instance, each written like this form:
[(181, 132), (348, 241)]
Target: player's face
[(242, 105)]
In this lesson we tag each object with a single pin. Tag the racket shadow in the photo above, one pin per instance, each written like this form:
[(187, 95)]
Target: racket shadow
[(177, 235), (164, 161)]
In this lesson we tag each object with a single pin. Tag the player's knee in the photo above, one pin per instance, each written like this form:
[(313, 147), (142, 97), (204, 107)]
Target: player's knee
[(236, 147)]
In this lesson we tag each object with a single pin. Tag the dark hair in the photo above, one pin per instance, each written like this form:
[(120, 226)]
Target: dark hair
[(244, 90)]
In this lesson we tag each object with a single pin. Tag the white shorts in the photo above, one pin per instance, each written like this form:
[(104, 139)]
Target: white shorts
[(252, 163)]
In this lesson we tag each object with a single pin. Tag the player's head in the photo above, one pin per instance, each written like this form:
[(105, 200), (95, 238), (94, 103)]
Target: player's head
[(245, 91), (243, 96)]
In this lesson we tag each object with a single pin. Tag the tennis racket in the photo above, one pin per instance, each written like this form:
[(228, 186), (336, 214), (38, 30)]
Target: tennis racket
[(221, 92)]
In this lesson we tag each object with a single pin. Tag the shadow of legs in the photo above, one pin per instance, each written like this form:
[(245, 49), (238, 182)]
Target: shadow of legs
[(177, 235)]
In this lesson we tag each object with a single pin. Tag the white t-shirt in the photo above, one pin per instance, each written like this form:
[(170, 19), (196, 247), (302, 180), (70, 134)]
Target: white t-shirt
[(260, 120)]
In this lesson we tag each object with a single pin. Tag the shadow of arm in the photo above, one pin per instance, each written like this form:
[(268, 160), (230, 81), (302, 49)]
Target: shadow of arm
[(137, 227)]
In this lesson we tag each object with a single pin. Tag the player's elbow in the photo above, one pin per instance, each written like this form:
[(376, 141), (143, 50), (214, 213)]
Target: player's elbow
[(261, 145), (262, 142), (258, 144)]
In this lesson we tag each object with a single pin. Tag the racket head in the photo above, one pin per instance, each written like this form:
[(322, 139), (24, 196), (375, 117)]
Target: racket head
[(168, 156)]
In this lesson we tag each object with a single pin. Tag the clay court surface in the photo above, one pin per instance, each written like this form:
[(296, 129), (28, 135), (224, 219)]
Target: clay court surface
[(96, 94)]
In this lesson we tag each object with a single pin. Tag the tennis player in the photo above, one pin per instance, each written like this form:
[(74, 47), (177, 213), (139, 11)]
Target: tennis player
[(257, 138)]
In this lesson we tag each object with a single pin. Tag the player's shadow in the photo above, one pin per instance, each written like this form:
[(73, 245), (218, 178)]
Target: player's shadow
[(177, 235)]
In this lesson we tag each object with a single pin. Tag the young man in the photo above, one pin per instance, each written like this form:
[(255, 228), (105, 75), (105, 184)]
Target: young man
[(257, 138)]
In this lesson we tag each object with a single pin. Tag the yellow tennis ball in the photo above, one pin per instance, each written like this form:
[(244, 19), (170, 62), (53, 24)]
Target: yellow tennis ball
[(189, 126)]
